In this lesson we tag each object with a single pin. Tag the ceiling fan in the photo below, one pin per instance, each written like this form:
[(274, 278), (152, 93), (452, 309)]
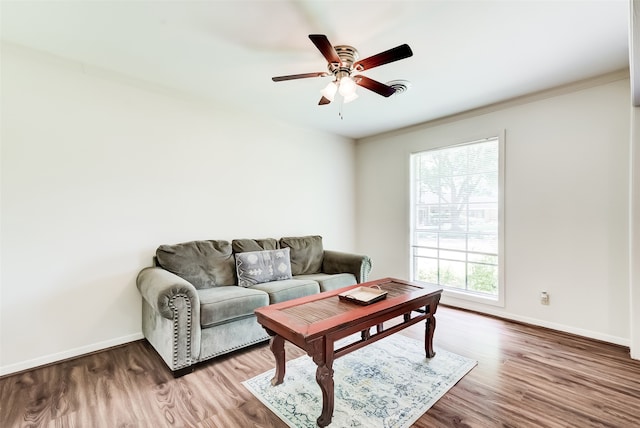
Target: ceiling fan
[(344, 65)]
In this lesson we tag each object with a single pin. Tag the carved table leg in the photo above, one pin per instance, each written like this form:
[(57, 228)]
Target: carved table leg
[(276, 345), (322, 354), (324, 376), (430, 328)]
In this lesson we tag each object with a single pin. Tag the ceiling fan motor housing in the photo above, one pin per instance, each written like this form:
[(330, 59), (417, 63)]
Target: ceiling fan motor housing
[(348, 55)]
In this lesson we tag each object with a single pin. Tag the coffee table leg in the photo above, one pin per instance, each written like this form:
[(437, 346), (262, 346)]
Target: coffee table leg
[(430, 328), (277, 347), (322, 354), (324, 376)]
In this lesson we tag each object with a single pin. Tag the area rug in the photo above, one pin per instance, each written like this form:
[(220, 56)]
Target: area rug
[(387, 384)]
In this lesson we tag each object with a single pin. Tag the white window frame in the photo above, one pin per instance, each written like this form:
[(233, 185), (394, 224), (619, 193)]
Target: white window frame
[(498, 300)]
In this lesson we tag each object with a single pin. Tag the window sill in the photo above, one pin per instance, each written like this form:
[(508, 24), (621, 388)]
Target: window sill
[(452, 295)]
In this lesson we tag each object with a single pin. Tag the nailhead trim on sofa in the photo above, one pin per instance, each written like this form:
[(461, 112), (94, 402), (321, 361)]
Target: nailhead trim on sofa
[(176, 323)]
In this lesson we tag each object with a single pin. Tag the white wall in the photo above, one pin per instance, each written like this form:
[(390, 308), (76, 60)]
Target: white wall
[(566, 205), (97, 172)]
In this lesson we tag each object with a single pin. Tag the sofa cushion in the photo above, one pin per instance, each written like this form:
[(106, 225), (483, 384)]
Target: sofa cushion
[(281, 291), (224, 304), (255, 267), (330, 282), (203, 263), (244, 245), (306, 253)]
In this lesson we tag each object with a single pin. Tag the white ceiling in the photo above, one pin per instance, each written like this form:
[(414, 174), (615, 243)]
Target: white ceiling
[(467, 54)]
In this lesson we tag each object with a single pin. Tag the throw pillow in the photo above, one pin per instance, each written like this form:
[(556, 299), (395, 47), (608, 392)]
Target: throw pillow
[(306, 253), (256, 267), (204, 264)]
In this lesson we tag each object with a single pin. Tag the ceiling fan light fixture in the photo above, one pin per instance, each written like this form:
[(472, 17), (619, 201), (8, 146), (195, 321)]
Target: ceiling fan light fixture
[(329, 91), (347, 99), (347, 87)]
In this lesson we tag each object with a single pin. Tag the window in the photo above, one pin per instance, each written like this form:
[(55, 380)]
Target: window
[(456, 218)]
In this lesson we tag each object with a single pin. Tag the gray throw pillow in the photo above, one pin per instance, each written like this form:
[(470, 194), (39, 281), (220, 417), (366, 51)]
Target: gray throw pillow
[(256, 267), (204, 264), (306, 253)]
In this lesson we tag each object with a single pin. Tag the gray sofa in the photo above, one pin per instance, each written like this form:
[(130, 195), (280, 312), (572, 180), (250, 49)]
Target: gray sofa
[(198, 300)]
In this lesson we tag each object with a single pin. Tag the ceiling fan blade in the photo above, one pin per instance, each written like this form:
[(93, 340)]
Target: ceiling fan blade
[(299, 76), (391, 55), (325, 47), (324, 101), (375, 86)]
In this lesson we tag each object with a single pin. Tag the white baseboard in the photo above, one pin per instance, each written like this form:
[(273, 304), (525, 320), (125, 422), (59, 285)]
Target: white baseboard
[(538, 322), (71, 353)]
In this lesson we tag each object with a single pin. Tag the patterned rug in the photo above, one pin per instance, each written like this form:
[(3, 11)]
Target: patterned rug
[(389, 383)]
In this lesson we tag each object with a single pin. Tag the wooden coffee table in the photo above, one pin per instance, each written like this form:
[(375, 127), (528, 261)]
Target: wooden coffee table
[(314, 323)]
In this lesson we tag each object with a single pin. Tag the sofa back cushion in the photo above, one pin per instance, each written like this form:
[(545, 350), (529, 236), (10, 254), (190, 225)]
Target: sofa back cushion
[(204, 264), (257, 267), (306, 253), (244, 245)]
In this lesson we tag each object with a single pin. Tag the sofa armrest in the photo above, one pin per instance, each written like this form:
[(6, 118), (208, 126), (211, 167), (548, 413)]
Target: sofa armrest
[(160, 287), (170, 316), (338, 262)]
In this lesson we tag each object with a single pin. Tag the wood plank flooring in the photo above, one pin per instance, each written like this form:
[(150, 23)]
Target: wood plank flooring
[(526, 377)]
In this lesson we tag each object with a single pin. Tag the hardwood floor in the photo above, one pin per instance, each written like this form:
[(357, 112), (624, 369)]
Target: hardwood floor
[(525, 377)]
